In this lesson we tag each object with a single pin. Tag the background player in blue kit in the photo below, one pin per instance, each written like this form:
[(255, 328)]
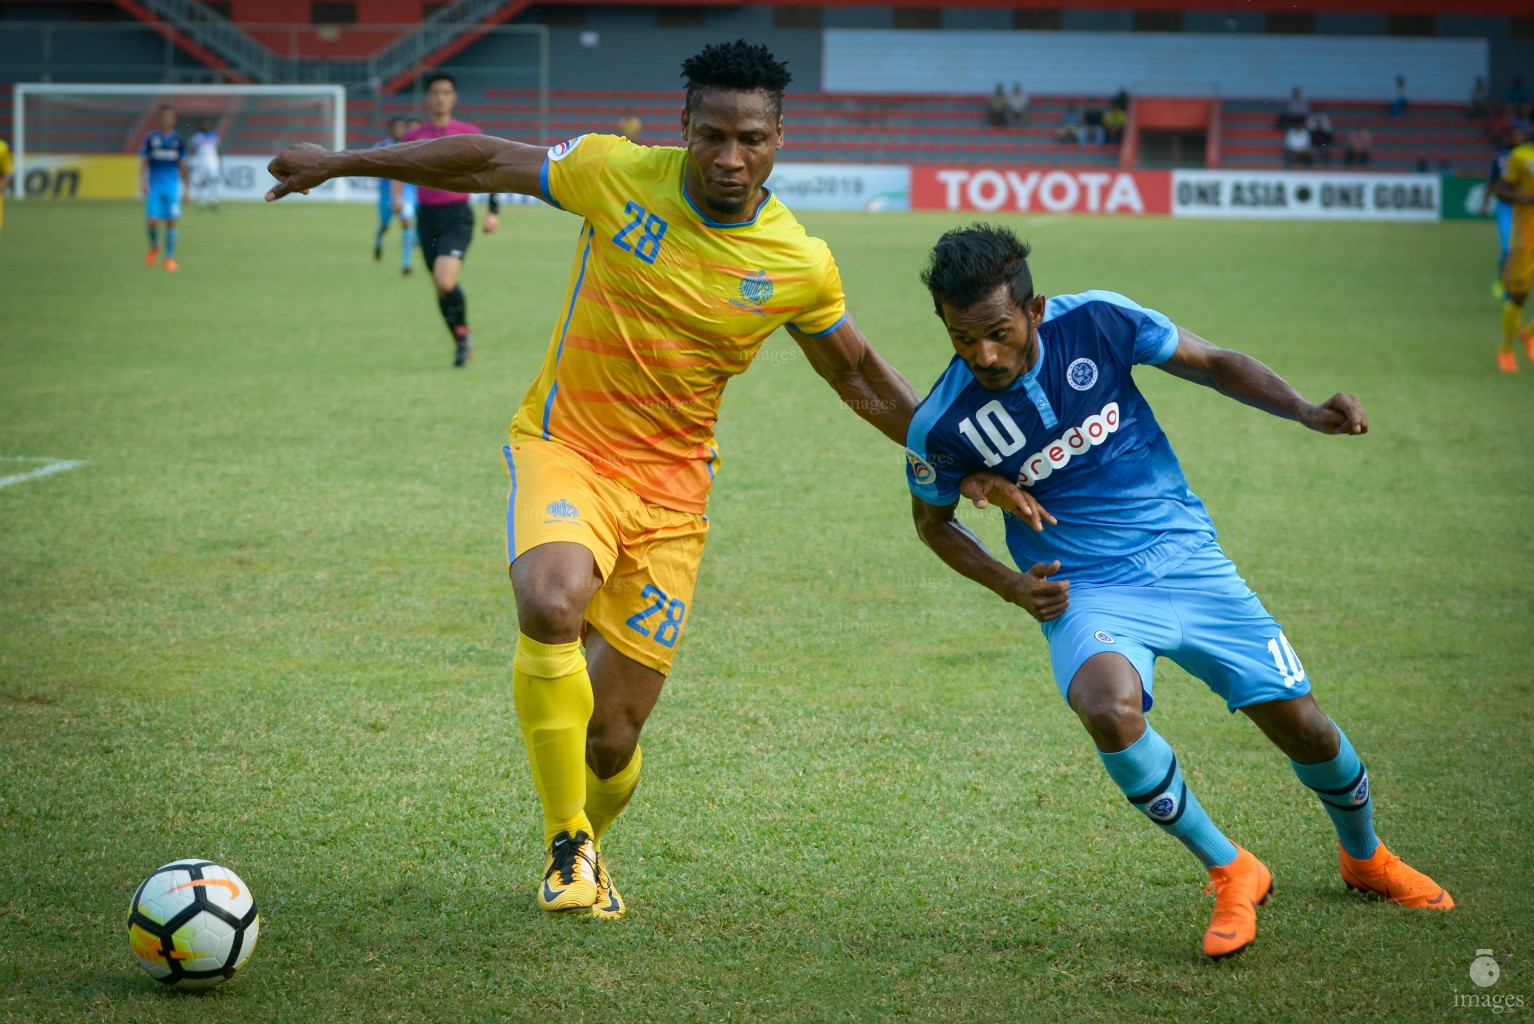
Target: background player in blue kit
[(395, 198), (1125, 567), (163, 178)]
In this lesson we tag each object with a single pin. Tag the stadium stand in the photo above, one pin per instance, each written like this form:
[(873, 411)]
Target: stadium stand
[(1429, 136), (858, 124), (819, 126)]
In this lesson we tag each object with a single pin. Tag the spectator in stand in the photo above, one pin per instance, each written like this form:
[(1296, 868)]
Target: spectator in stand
[(1092, 133), (1071, 128), (1398, 105), (1121, 99), (1114, 120), (1360, 141), (1297, 147), (1480, 98), (1320, 128), (1518, 100), (996, 109), (1295, 111), (630, 127), (1017, 104)]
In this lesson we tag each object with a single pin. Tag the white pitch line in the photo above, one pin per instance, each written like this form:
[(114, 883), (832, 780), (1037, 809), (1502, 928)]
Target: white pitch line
[(59, 466)]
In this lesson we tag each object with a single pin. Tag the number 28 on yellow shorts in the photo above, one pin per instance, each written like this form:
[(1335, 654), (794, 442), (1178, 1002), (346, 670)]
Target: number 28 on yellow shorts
[(648, 555)]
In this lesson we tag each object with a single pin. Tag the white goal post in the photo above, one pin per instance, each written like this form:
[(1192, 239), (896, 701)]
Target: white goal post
[(75, 140)]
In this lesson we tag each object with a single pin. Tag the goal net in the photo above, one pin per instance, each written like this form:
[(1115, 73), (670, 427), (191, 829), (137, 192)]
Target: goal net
[(82, 141)]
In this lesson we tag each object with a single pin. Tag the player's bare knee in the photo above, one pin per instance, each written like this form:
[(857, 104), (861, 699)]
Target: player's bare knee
[(551, 617), (1113, 722), (609, 747), (1313, 739)]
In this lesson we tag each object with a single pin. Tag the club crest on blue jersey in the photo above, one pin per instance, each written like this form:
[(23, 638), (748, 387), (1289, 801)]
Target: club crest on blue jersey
[(1081, 374), (1163, 808), (756, 288)]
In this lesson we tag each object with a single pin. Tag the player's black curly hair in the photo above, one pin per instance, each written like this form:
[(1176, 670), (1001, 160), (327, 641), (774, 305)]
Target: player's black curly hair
[(738, 65), (967, 264)]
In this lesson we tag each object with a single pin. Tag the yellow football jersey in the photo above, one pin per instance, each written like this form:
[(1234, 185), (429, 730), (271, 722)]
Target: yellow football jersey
[(1519, 172), (663, 307), (5, 158)]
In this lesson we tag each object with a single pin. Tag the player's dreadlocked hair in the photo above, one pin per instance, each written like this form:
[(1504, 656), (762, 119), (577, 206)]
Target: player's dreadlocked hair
[(967, 264), (738, 65)]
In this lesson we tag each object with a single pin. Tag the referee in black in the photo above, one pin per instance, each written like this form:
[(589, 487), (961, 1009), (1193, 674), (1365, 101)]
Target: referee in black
[(444, 222)]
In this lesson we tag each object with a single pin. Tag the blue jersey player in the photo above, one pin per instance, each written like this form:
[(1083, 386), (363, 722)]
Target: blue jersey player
[(395, 199), (1123, 565), (162, 178)]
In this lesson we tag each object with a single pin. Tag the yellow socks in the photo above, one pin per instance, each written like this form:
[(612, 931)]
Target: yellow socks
[(1511, 314), (553, 698), (606, 798)]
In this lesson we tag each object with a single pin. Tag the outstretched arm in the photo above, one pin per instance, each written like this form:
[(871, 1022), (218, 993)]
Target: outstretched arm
[(458, 163), (1509, 193), (871, 387), (1239, 376), (1033, 591)]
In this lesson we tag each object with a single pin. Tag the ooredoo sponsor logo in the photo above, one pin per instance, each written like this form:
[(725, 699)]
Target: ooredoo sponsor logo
[(1094, 430)]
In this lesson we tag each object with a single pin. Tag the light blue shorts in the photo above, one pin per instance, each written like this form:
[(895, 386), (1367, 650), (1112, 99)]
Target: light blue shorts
[(1202, 615), (163, 204), (386, 205)]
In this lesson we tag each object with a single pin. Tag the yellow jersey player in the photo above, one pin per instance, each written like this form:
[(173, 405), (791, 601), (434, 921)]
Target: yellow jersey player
[(685, 264), (5, 177), (1516, 188)]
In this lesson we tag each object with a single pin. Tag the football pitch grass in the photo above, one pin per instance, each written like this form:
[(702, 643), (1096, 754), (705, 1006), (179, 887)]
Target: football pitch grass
[(267, 623)]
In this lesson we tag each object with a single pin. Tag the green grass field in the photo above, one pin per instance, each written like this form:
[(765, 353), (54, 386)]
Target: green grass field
[(268, 623)]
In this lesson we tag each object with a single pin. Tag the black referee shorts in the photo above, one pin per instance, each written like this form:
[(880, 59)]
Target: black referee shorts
[(444, 230)]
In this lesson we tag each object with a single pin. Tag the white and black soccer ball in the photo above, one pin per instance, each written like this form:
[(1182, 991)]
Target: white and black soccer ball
[(192, 924)]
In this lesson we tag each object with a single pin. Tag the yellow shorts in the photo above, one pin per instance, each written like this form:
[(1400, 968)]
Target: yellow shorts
[(648, 555), (1518, 271)]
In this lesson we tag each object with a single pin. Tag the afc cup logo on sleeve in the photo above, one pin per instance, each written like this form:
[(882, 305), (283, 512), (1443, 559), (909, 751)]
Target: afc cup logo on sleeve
[(1081, 374), (920, 469), (564, 149), (1102, 638)]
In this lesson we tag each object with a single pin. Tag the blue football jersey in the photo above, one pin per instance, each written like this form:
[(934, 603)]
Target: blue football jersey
[(1076, 433), (165, 151)]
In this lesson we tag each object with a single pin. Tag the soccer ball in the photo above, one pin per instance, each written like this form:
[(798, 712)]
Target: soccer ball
[(192, 924)]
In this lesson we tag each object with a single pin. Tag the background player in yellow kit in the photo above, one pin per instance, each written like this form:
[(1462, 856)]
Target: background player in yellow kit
[(684, 265), (5, 177), (1517, 189)]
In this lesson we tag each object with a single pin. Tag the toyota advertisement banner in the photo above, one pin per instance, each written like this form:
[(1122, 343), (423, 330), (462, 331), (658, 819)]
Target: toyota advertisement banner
[(1040, 190)]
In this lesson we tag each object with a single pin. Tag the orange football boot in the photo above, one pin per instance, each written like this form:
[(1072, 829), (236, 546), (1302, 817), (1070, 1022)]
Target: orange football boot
[(1239, 888), (151, 256), (1506, 363), (1528, 343), (172, 266), (1387, 875)]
